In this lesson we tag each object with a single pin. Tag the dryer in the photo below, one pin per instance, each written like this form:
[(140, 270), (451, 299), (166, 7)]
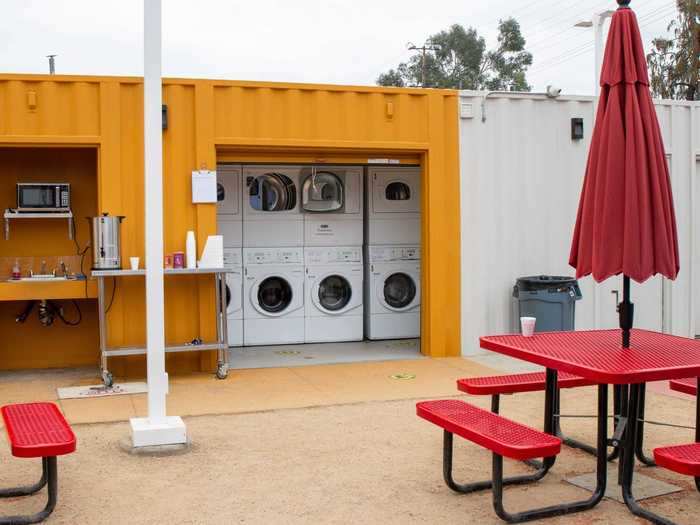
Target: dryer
[(233, 262), (393, 206), (271, 211), (333, 304), (273, 306), (331, 199), (392, 288), (229, 219)]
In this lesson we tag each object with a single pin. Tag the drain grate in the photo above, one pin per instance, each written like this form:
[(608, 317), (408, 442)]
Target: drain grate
[(403, 377)]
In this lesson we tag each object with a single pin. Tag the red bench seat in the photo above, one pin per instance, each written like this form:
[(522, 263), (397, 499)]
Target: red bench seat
[(517, 383), (684, 459), (37, 430), (688, 385), (491, 431)]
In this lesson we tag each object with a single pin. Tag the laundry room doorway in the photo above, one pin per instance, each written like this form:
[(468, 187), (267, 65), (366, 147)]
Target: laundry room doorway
[(329, 248)]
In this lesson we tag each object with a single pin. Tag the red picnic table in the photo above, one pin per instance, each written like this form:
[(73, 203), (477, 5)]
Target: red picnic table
[(598, 356)]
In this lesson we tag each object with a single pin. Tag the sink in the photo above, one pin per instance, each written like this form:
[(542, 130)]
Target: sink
[(39, 278)]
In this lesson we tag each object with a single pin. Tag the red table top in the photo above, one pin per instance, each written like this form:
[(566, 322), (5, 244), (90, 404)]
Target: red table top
[(598, 355)]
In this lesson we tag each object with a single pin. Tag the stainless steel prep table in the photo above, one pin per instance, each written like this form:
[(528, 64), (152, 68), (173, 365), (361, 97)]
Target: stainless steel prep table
[(221, 344)]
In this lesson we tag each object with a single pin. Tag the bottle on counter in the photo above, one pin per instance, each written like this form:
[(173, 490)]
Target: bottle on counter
[(16, 271)]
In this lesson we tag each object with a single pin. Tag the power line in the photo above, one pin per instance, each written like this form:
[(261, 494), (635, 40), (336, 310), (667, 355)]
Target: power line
[(427, 46)]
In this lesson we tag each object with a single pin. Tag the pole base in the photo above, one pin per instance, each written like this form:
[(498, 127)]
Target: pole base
[(171, 431)]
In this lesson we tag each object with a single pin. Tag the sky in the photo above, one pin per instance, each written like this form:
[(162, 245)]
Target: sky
[(331, 41)]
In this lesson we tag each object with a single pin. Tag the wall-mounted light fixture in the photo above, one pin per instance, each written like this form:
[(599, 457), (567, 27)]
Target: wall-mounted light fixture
[(576, 128)]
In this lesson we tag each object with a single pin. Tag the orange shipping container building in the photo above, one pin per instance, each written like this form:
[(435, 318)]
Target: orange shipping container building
[(89, 131)]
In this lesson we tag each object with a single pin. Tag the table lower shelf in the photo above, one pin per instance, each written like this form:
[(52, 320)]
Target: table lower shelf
[(141, 350)]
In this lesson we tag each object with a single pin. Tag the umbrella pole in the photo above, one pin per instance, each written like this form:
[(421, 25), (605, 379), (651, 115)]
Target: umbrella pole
[(626, 311)]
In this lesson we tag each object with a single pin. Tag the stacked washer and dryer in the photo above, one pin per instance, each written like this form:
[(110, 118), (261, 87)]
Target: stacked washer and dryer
[(298, 232), (293, 239), (392, 235)]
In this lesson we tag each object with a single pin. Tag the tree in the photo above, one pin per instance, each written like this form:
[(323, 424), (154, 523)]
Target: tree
[(461, 61), (674, 63)]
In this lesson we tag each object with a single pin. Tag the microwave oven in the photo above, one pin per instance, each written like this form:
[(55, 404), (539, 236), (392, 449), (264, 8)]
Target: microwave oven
[(38, 197)]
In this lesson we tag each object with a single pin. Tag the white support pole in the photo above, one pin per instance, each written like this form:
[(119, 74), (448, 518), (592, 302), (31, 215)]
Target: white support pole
[(598, 26), (157, 428)]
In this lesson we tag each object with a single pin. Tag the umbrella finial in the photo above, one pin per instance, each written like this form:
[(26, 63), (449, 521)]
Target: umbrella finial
[(623, 3)]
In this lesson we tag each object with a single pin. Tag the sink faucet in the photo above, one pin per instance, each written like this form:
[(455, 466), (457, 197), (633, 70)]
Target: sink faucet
[(64, 269), (43, 268)]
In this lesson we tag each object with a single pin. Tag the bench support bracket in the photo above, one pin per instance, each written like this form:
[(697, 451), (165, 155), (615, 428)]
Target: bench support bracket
[(49, 477)]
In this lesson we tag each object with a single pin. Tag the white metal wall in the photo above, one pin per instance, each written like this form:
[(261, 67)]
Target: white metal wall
[(521, 176)]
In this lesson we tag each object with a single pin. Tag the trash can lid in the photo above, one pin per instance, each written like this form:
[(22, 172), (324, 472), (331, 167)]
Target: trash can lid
[(544, 282)]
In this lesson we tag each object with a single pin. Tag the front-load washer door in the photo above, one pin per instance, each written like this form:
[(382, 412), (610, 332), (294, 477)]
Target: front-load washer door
[(272, 296), (271, 192), (395, 191), (323, 192), (399, 291), (332, 294)]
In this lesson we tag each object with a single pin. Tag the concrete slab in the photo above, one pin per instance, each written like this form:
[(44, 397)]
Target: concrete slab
[(643, 487)]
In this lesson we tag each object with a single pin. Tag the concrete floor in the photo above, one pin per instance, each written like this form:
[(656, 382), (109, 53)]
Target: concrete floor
[(323, 353)]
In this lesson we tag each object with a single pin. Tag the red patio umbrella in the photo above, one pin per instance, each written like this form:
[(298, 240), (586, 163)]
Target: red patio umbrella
[(626, 222)]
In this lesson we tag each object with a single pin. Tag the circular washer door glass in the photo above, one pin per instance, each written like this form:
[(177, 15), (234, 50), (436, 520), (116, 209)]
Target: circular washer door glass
[(399, 290), (334, 293), (272, 192), (274, 294), (398, 191), (322, 192)]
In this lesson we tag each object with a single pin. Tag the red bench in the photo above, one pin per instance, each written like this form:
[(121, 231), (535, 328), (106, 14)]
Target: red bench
[(688, 385), (683, 459), (494, 386), (37, 430), (502, 437)]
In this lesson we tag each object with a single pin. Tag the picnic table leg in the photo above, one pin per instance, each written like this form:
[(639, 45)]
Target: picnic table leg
[(565, 508), (639, 444), (466, 488), (627, 461), (30, 489), (51, 475)]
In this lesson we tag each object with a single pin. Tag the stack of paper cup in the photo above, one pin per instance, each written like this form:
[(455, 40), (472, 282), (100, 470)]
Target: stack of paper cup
[(191, 250), (527, 324)]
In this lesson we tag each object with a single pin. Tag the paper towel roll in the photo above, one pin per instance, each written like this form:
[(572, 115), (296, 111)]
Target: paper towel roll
[(191, 250)]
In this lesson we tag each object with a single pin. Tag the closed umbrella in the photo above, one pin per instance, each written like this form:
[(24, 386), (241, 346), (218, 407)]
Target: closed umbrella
[(626, 222)]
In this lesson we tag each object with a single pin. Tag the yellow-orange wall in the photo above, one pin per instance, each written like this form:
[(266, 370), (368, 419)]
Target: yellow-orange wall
[(212, 120)]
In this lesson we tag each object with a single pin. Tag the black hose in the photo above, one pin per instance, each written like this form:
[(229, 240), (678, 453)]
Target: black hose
[(114, 289), (57, 311)]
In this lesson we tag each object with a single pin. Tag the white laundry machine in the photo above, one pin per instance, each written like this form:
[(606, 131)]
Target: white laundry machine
[(331, 199), (271, 210), (333, 305), (273, 305), (229, 218), (233, 261), (393, 206), (392, 284)]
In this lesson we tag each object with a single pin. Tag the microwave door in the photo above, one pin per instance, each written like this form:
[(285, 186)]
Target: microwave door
[(37, 197)]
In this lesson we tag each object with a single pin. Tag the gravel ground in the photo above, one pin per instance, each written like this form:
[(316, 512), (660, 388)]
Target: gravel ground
[(372, 462)]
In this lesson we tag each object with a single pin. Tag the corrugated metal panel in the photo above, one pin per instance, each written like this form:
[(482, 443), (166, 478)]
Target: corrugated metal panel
[(521, 177)]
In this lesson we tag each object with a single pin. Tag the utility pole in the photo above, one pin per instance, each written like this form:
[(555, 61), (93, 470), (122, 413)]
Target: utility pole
[(427, 46), (52, 64)]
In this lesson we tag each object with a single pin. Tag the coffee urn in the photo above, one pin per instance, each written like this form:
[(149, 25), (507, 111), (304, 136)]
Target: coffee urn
[(106, 241)]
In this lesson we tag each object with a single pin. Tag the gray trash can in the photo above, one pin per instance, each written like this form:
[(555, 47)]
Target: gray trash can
[(551, 299)]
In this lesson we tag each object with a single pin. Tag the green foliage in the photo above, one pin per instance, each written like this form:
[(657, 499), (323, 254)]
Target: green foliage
[(463, 62), (674, 63)]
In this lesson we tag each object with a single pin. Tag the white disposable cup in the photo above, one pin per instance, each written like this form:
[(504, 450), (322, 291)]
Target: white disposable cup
[(134, 263), (527, 324)]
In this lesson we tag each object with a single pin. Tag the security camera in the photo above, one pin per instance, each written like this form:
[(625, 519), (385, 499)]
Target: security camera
[(553, 92)]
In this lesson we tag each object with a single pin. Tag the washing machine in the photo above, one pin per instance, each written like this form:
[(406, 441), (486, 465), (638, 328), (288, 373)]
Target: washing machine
[(273, 306), (229, 219), (333, 304), (233, 261), (331, 200), (393, 206), (271, 207), (392, 289)]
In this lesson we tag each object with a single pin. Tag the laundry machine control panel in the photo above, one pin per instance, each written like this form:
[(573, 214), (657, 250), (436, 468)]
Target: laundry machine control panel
[(320, 256), (394, 253), (273, 255)]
